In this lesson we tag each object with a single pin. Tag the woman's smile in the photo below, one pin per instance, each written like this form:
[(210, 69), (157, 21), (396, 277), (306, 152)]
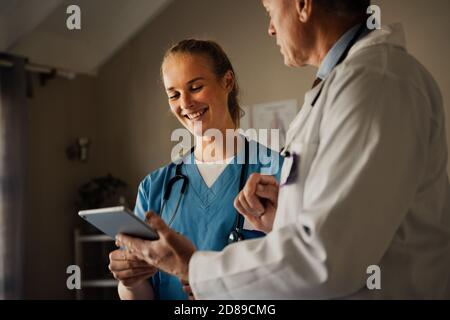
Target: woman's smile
[(197, 115)]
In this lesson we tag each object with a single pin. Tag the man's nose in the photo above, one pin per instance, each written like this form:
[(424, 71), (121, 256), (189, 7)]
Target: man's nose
[(271, 31)]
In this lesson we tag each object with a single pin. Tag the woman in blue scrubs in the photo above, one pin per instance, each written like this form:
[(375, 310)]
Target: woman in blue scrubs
[(203, 94)]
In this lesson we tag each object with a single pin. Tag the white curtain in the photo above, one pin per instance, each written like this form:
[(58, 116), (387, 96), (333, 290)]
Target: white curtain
[(13, 121)]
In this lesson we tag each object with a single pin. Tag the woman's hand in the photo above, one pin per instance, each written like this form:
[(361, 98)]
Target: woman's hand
[(171, 253), (129, 269), (258, 201)]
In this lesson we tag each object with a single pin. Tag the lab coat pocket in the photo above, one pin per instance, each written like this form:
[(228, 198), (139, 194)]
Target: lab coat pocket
[(293, 177)]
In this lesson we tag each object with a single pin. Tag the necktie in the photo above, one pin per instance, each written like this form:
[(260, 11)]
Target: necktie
[(316, 82)]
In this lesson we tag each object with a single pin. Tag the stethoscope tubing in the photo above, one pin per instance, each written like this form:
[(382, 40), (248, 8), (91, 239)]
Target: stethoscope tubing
[(235, 234)]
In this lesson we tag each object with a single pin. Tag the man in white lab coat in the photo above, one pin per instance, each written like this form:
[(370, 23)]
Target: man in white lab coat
[(364, 182)]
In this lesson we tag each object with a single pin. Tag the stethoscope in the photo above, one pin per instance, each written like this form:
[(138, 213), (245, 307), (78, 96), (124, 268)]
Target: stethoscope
[(236, 234)]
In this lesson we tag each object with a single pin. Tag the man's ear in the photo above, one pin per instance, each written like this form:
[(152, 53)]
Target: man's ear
[(303, 8)]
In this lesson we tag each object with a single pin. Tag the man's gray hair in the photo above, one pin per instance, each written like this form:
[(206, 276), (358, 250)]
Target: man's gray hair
[(345, 8)]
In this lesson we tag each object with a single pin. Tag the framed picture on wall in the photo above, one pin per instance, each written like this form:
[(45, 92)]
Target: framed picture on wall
[(274, 115)]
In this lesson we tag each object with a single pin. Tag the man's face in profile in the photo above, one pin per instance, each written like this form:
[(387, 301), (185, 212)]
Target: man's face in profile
[(291, 34)]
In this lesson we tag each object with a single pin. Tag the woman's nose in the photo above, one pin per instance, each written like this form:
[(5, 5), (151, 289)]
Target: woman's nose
[(185, 101)]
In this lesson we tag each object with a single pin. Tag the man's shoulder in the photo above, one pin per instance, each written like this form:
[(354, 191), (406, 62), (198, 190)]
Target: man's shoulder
[(384, 54), (386, 64)]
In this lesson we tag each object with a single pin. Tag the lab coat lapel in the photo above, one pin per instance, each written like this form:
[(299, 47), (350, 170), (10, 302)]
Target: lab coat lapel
[(300, 120)]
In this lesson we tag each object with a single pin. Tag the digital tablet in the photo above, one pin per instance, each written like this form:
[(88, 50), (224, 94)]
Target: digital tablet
[(115, 220)]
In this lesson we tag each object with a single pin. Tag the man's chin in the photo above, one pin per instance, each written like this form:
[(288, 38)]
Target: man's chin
[(288, 62), (291, 63)]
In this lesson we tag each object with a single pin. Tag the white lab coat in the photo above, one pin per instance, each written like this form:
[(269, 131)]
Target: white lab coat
[(372, 189)]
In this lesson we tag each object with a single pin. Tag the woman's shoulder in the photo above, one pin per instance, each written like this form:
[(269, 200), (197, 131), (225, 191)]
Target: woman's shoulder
[(260, 152), (263, 148), (158, 175), (167, 171), (149, 191), (266, 159)]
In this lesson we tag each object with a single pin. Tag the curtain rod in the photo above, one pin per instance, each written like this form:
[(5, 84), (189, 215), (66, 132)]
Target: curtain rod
[(35, 68)]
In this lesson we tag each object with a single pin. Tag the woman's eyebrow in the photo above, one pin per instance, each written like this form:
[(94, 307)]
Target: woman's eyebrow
[(189, 82), (195, 79)]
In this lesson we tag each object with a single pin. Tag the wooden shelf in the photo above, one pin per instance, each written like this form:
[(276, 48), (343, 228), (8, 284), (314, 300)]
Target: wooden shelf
[(89, 241)]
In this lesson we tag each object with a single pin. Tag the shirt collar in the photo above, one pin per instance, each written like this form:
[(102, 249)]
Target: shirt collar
[(333, 56)]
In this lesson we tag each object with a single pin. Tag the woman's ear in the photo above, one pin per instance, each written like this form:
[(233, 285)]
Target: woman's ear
[(303, 8), (228, 80)]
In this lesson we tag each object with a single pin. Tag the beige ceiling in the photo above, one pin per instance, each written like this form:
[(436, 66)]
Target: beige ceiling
[(37, 29)]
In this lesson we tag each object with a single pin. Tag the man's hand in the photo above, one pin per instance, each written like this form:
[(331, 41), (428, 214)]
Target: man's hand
[(170, 253), (187, 289), (258, 201), (129, 269)]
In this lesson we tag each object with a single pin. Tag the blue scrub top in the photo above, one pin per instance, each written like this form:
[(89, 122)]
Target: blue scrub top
[(206, 215)]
